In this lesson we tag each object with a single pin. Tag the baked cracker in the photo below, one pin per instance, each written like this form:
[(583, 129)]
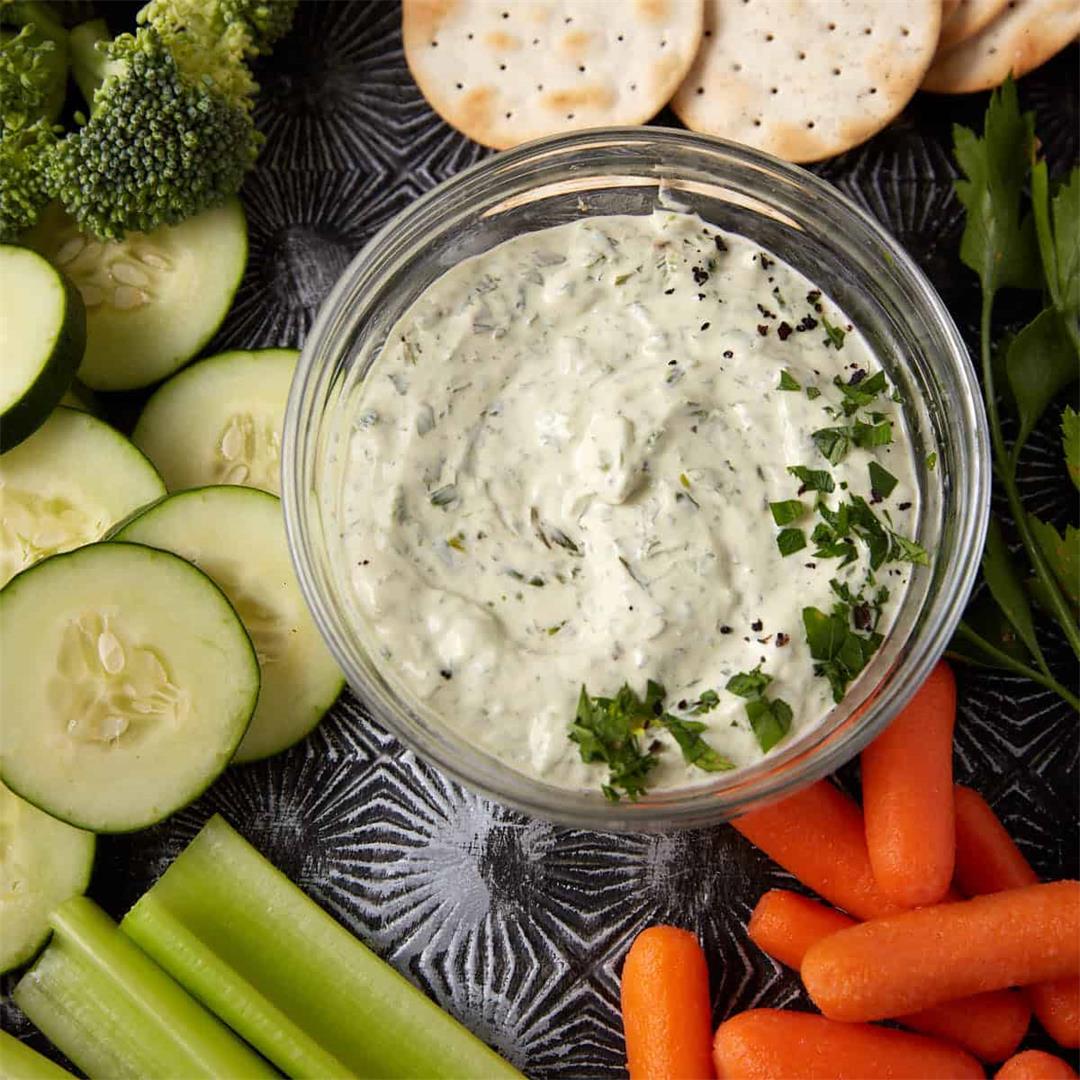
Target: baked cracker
[(507, 71), (967, 18), (803, 79), (1026, 34)]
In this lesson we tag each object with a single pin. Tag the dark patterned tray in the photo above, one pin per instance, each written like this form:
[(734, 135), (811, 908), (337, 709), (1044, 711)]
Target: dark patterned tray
[(514, 925)]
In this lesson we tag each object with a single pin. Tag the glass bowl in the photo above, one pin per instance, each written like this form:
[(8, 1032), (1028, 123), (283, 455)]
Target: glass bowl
[(626, 171)]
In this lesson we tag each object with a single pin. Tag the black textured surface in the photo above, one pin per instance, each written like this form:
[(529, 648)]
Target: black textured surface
[(516, 926)]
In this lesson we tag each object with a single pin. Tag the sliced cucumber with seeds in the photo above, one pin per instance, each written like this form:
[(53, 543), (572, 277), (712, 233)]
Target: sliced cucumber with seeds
[(219, 421), (136, 682), (237, 536), (43, 862), (153, 300), (67, 485), (43, 333)]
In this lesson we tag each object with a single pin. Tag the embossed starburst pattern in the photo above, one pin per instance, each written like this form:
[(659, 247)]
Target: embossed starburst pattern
[(516, 926)]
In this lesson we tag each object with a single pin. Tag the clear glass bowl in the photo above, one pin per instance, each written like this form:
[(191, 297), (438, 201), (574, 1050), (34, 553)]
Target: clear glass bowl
[(623, 171)]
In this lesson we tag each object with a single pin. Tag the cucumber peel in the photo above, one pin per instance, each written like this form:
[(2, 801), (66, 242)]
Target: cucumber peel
[(115, 1013), (249, 944)]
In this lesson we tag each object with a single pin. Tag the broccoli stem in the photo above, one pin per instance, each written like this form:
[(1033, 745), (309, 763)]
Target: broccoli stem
[(89, 65)]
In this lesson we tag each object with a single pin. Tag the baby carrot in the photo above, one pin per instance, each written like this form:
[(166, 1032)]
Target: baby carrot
[(990, 1025), (907, 792), (817, 834), (988, 861), (1035, 1065), (768, 1044), (667, 1016), (920, 958)]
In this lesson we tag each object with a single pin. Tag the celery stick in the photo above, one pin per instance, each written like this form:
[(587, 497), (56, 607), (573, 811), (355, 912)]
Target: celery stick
[(116, 1014), (288, 978), (19, 1062)]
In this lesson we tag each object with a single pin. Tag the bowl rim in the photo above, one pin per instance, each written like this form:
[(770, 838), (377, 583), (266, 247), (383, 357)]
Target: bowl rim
[(662, 810)]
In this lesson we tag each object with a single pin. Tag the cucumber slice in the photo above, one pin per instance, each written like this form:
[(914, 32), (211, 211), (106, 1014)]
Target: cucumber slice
[(136, 682), (219, 421), (237, 536), (153, 300), (43, 862), (67, 485), (43, 330)]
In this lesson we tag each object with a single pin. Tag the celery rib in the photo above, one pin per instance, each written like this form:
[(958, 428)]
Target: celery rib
[(287, 977), (19, 1062), (116, 1014)]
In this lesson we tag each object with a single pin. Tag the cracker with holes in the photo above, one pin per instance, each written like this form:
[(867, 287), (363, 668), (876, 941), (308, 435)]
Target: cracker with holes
[(1026, 34), (507, 72), (965, 19), (803, 79)]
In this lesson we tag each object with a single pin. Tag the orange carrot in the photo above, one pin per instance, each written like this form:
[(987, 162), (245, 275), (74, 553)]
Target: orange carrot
[(907, 792), (667, 1016), (1035, 1065), (988, 861), (920, 958), (768, 1044), (990, 1025), (817, 834)]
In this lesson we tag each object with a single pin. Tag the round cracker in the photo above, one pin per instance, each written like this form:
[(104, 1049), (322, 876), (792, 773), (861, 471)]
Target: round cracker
[(507, 71), (967, 18), (1026, 34), (805, 80)]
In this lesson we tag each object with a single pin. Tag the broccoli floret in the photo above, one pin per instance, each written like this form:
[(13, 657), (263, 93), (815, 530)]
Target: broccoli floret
[(24, 164), (163, 141), (33, 66), (256, 24)]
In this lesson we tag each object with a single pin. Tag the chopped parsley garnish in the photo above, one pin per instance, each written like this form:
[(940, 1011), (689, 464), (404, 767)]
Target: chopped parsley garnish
[(835, 336), (788, 381), (931, 461), (784, 513), (855, 520), (444, 496), (790, 540), (813, 393), (706, 703), (608, 730), (871, 435), (684, 480), (833, 443), (812, 479), (770, 719), (882, 482), (843, 641), (860, 391)]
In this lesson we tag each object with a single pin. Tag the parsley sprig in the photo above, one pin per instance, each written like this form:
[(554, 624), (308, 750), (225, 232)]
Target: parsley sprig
[(1007, 246), (610, 731), (843, 640)]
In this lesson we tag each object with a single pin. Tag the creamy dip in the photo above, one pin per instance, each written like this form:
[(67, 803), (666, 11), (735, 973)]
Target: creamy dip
[(560, 475)]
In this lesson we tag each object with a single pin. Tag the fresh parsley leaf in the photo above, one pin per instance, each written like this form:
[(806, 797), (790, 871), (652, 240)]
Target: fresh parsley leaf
[(997, 243), (748, 684), (788, 381), (769, 720), (1070, 441), (813, 393), (868, 436), (784, 513), (835, 336), (1057, 225), (1041, 361), (931, 460), (1062, 553), (903, 550), (684, 480), (870, 531), (1007, 588), (882, 482), (812, 479), (833, 443), (695, 750), (790, 540)]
